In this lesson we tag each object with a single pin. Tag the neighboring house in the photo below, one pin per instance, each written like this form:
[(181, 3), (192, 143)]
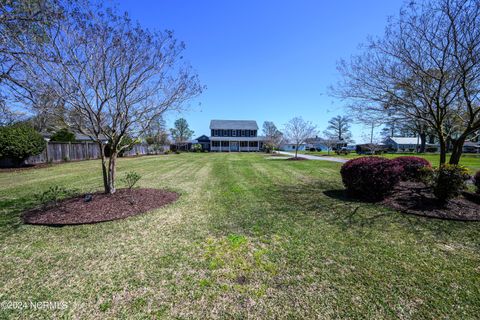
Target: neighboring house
[(79, 137), (204, 141), (321, 144), (471, 147), (291, 147), (235, 135), (371, 148), (405, 144)]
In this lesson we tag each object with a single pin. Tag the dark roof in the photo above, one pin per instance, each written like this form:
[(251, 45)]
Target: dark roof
[(234, 124), (471, 144), (203, 138)]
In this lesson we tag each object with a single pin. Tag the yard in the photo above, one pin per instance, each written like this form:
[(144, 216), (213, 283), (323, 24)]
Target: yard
[(249, 237)]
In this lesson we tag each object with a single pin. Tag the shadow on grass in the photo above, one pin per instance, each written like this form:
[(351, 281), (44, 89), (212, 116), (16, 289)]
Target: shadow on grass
[(325, 200), (11, 210)]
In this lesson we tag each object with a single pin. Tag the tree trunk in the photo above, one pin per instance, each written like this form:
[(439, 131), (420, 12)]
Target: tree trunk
[(443, 149), (296, 151), (423, 142), (457, 150), (104, 167), (112, 170)]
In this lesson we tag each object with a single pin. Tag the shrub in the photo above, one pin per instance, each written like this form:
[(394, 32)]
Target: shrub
[(370, 178), (196, 147), (20, 141), (411, 167), (131, 178), (476, 181), (448, 181), (63, 135), (51, 196)]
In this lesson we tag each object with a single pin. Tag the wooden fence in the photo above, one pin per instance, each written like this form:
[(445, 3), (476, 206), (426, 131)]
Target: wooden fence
[(76, 151)]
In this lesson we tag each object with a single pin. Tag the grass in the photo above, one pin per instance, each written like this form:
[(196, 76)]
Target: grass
[(249, 238), (471, 161)]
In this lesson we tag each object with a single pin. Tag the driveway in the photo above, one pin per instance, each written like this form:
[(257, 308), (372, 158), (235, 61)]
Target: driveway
[(310, 157)]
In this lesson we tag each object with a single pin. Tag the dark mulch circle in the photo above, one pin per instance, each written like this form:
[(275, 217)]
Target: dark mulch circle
[(103, 207), (296, 159), (416, 198)]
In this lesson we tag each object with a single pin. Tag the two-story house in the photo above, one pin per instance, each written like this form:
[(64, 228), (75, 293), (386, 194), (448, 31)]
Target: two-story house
[(235, 135)]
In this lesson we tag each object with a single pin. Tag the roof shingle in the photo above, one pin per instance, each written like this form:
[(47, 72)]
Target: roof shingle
[(234, 124)]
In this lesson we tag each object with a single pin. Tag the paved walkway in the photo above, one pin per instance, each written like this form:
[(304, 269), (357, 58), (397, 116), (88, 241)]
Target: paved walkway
[(310, 157)]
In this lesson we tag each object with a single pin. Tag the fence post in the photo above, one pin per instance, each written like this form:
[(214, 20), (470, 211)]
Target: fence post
[(46, 150)]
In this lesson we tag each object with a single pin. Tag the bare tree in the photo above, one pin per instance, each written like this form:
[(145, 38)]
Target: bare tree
[(417, 69), (273, 136), (113, 76), (330, 144), (22, 23), (298, 130), (339, 128)]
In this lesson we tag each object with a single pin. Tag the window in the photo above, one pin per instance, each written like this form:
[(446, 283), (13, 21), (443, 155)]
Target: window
[(224, 143), (215, 143), (254, 144), (243, 144), (243, 133), (234, 133)]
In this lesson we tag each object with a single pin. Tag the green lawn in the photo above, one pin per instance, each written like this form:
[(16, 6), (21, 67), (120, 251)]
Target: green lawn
[(471, 161), (248, 238)]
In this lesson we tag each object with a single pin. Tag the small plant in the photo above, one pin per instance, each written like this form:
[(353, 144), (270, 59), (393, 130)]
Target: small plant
[(196, 147), (476, 181), (52, 196), (411, 167), (449, 181), (370, 178), (131, 178)]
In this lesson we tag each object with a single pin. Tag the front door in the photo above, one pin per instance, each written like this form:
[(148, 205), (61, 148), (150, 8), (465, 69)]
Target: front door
[(233, 146)]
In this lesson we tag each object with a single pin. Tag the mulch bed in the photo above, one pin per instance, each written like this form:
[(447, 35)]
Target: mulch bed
[(296, 159), (415, 198), (103, 207)]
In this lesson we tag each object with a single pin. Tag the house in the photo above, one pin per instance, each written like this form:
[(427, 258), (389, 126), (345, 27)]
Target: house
[(204, 141), (371, 148), (471, 147), (235, 135), (320, 144), (406, 144), (291, 147)]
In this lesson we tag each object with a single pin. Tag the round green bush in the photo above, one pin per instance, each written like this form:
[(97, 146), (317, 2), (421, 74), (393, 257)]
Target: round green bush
[(476, 181), (20, 141), (449, 181)]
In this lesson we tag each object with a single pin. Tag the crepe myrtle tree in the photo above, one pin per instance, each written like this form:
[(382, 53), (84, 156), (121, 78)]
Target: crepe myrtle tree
[(115, 78), (298, 130)]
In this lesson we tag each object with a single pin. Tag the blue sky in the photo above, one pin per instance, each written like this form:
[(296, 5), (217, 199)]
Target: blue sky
[(265, 59)]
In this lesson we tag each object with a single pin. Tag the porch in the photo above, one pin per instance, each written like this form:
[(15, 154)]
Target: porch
[(235, 146)]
